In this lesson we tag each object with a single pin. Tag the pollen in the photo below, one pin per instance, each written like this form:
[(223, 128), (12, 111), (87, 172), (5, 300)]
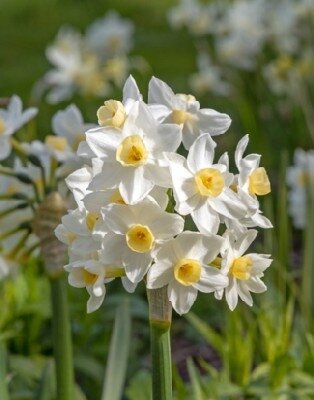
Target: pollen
[(187, 271), (209, 182), (2, 126), (241, 268), (112, 113), (91, 220), (56, 143), (258, 182), (89, 278), (116, 198), (140, 239), (131, 152)]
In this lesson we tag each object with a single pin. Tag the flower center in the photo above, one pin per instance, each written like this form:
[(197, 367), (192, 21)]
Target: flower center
[(131, 152), (56, 143), (139, 238), (189, 98), (111, 114), (180, 117), (209, 182), (187, 271), (89, 278), (241, 268), (258, 182), (116, 198), (91, 220), (2, 126)]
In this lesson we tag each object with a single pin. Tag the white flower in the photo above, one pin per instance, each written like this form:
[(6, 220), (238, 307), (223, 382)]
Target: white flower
[(201, 188), (91, 275), (11, 120), (208, 78), (244, 271), (76, 68), (70, 128), (185, 111), (136, 232), (252, 181), (110, 36), (132, 157), (300, 179), (182, 264)]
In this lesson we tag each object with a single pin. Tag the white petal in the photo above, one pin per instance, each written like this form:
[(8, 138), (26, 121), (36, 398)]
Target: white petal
[(130, 90), (104, 142), (245, 241), (5, 148), (205, 218), (134, 185), (213, 122), (113, 245), (232, 294), (211, 280), (244, 293), (159, 92), (167, 226), (181, 297), (241, 146), (201, 154), (159, 275), (136, 264)]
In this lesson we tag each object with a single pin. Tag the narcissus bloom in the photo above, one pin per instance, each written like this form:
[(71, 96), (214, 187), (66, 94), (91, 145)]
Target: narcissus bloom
[(182, 264), (244, 271), (201, 188), (136, 232), (184, 110), (132, 157), (11, 120)]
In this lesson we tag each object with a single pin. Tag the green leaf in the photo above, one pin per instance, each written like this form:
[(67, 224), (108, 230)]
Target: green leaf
[(140, 387), (118, 354), (212, 337), (195, 381)]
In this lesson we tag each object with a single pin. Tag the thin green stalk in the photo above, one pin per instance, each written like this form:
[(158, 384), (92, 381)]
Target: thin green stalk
[(62, 340), (4, 393), (160, 323)]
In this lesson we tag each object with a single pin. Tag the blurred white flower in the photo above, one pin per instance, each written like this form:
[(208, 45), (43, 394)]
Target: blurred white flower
[(300, 179), (208, 78), (110, 36), (11, 120)]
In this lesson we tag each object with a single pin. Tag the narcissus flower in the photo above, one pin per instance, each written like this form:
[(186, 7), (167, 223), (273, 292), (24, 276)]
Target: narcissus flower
[(244, 271), (11, 120), (201, 188), (132, 157), (136, 232), (182, 264), (184, 110)]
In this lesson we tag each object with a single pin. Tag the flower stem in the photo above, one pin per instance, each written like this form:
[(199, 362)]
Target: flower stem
[(62, 340), (4, 394), (160, 323)]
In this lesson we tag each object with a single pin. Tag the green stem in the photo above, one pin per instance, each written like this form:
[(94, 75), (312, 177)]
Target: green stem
[(160, 323), (62, 340), (4, 393)]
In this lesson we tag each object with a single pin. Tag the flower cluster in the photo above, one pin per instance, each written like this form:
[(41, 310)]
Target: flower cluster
[(136, 190), (241, 33), (90, 64), (300, 179), (34, 170)]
